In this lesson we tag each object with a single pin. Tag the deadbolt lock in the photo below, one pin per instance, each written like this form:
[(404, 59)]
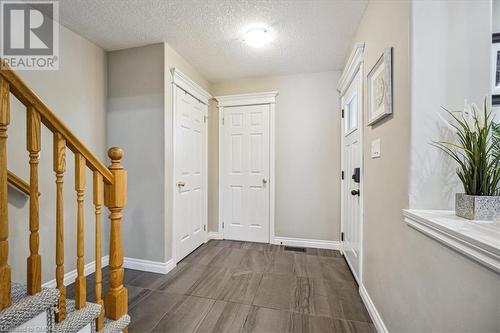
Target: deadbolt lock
[(264, 181)]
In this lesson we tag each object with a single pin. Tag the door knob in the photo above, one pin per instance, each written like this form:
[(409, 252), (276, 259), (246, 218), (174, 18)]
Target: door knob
[(355, 192), (180, 184), (264, 181)]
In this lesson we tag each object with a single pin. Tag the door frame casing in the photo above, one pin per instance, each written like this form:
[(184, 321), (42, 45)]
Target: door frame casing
[(263, 98), (183, 82), (354, 66)]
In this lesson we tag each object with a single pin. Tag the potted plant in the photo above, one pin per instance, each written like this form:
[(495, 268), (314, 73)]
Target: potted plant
[(477, 152)]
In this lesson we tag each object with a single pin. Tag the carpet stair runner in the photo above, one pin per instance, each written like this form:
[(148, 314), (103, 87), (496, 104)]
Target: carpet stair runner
[(25, 307)]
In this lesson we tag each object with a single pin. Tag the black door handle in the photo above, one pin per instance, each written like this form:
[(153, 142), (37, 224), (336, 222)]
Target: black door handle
[(356, 176), (355, 192)]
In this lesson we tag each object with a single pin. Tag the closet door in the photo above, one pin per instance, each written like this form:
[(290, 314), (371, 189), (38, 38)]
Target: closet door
[(190, 207)]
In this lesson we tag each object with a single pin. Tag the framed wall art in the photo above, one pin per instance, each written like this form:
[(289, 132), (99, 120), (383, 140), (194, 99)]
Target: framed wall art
[(495, 69), (379, 88)]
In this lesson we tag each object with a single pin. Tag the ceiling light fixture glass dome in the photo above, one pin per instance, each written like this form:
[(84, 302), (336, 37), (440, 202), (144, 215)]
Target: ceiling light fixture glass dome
[(258, 37)]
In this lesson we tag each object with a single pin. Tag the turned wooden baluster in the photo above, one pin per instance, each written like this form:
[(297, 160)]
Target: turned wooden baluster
[(5, 274), (59, 169), (115, 199), (33, 142), (98, 200), (80, 281)]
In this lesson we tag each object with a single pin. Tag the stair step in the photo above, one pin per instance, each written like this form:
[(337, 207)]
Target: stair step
[(25, 307), (115, 326), (78, 319)]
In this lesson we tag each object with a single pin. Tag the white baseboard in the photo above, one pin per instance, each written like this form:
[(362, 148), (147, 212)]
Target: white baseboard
[(148, 265), (312, 243), (70, 277), (214, 235), (372, 310)]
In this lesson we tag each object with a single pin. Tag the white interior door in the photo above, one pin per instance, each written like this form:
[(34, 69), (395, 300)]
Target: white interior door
[(246, 195), (352, 158), (190, 157)]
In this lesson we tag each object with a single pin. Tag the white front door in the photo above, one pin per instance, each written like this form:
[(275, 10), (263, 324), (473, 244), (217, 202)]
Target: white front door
[(245, 174), (190, 207), (352, 158)]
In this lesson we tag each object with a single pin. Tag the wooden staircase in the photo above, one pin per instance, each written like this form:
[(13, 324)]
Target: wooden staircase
[(109, 185)]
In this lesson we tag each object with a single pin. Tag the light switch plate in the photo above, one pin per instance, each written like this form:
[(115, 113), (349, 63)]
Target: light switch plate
[(376, 148)]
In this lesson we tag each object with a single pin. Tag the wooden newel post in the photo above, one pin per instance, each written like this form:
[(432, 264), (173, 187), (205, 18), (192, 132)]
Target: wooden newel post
[(115, 198)]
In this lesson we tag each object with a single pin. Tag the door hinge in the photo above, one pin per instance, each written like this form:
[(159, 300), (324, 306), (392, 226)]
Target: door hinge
[(342, 175), (342, 236), (204, 228), (222, 225), (205, 118), (342, 113)]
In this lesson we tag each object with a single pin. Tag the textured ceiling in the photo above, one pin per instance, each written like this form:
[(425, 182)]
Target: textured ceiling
[(311, 35)]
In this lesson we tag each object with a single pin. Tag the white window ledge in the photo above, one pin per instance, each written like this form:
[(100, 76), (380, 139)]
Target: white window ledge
[(479, 240)]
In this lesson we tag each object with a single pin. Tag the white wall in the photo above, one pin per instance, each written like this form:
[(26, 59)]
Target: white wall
[(450, 61), (76, 93), (495, 16), (307, 152)]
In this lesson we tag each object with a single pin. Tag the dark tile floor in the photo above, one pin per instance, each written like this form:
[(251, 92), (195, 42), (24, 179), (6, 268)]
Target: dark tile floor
[(230, 286)]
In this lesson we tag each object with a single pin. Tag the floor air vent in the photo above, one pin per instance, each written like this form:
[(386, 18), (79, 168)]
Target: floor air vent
[(296, 249)]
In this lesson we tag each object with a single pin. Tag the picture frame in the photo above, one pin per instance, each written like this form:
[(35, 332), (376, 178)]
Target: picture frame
[(495, 69), (379, 88)]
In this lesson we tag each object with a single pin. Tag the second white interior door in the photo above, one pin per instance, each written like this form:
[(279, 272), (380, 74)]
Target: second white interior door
[(246, 165)]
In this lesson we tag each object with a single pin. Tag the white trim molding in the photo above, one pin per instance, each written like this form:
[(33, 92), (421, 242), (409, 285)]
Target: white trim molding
[(311, 243), (355, 60), (372, 310), (70, 277), (247, 99), (185, 83), (478, 240), (214, 235), (148, 265)]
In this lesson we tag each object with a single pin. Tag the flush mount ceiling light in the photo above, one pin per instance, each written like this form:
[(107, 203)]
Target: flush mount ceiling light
[(258, 37)]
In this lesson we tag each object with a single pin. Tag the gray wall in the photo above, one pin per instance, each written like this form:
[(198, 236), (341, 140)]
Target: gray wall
[(76, 93), (416, 283), (135, 123), (307, 152), (140, 121)]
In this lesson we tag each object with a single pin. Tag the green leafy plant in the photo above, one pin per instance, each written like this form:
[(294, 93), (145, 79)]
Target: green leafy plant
[(476, 150)]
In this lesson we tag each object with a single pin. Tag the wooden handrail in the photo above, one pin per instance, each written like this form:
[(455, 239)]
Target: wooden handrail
[(114, 179), (49, 119), (18, 183)]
